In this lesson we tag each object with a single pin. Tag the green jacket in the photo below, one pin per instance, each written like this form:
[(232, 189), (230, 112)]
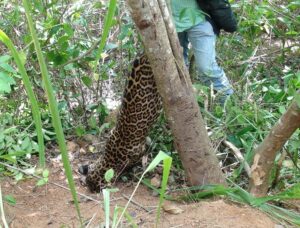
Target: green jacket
[(186, 14)]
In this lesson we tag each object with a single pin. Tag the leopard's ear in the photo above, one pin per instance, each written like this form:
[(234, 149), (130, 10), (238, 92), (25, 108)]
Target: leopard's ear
[(83, 169)]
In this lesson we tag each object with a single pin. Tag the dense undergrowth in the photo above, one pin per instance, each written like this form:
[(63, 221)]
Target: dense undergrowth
[(262, 60)]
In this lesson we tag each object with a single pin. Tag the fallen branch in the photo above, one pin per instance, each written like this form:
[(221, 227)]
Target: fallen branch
[(239, 156), (266, 152)]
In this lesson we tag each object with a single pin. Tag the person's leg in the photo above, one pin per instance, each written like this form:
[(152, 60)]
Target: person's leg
[(203, 42), (184, 42)]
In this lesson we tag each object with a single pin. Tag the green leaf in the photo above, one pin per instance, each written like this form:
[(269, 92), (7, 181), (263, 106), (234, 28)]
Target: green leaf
[(161, 156), (92, 122), (63, 42), (46, 173), (80, 131), (10, 130), (30, 171), (4, 58), (10, 199), (109, 174), (7, 68), (5, 82), (19, 176), (282, 109), (297, 99), (98, 5), (26, 143), (68, 29), (42, 182), (104, 126), (87, 81)]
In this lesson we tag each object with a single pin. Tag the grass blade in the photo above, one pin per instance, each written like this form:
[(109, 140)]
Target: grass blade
[(106, 28), (167, 161), (106, 198), (53, 108), (281, 213), (161, 156), (119, 210), (239, 195)]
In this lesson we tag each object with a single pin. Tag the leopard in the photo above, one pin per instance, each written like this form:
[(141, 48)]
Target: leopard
[(141, 106)]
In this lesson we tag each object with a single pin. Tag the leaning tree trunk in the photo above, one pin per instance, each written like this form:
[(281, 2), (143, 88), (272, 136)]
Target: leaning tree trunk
[(265, 153), (174, 85)]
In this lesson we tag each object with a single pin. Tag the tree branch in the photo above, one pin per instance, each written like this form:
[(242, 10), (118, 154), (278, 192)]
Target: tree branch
[(266, 152)]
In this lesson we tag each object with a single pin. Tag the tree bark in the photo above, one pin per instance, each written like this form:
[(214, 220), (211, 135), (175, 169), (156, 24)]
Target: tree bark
[(175, 87), (265, 153)]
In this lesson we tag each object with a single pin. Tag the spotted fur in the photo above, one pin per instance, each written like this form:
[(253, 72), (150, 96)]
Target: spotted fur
[(140, 108)]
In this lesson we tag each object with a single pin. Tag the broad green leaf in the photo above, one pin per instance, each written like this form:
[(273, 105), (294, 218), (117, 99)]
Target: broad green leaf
[(7, 68), (98, 5), (5, 82), (80, 131), (282, 109), (19, 176), (26, 143), (109, 174), (42, 182), (46, 173), (30, 171), (92, 122), (63, 42), (68, 29), (4, 58), (87, 81), (10, 130)]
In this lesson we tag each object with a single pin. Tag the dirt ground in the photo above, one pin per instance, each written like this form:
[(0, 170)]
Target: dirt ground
[(51, 206)]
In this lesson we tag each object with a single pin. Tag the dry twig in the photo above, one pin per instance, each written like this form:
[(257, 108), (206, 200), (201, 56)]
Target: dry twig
[(239, 156), (56, 184), (135, 203)]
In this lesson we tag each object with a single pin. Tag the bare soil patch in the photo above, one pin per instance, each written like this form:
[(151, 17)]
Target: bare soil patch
[(51, 206)]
